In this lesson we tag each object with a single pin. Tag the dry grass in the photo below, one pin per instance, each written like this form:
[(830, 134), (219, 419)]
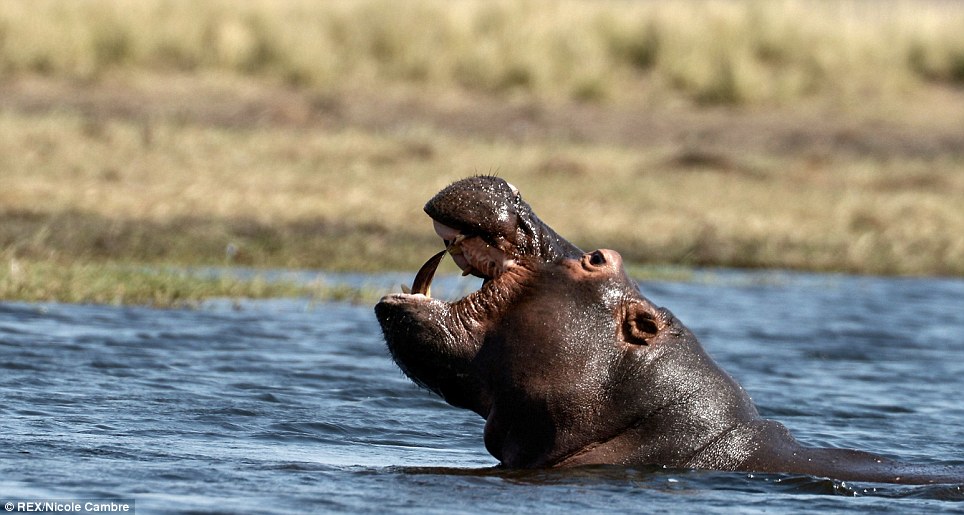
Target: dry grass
[(716, 51), (92, 184)]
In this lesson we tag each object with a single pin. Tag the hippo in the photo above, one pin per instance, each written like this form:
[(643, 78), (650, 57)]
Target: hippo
[(570, 365)]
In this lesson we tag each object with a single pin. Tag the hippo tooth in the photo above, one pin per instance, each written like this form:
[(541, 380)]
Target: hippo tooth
[(454, 247)]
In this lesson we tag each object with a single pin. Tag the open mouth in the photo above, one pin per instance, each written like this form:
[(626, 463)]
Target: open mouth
[(472, 254)]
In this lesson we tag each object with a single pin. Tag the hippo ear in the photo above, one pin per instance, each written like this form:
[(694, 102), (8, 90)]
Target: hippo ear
[(639, 326)]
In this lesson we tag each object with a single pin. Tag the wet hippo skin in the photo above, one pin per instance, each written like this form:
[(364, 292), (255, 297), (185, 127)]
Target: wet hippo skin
[(570, 365)]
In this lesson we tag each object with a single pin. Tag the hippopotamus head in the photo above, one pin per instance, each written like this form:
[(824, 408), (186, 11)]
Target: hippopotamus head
[(569, 364)]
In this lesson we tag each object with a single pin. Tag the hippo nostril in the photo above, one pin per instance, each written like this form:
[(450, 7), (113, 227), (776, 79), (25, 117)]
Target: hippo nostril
[(597, 259)]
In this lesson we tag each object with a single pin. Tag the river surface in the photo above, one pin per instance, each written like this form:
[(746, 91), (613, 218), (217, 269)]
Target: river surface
[(292, 406)]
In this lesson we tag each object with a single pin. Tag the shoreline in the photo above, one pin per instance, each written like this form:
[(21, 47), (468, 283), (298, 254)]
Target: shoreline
[(178, 287)]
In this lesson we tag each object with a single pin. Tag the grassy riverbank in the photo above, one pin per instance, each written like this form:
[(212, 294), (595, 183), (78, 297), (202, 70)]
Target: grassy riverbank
[(213, 137)]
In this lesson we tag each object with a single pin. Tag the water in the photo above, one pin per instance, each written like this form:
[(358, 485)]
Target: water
[(289, 406)]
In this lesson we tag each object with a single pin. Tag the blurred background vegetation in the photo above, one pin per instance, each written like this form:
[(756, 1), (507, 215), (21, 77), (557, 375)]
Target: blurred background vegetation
[(713, 52), (817, 135)]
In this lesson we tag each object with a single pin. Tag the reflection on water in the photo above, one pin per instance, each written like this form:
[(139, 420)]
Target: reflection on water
[(292, 406)]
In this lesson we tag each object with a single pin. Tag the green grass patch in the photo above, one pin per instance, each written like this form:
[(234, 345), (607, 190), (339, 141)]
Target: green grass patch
[(163, 287)]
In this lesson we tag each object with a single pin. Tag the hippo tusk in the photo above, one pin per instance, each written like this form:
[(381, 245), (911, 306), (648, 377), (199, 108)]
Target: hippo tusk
[(423, 279)]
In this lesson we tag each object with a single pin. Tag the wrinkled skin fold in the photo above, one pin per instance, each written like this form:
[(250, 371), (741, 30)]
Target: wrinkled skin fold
[(570, 365)]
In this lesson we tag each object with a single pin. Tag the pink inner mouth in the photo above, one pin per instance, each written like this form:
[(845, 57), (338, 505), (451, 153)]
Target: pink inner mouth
[(472, 254)]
